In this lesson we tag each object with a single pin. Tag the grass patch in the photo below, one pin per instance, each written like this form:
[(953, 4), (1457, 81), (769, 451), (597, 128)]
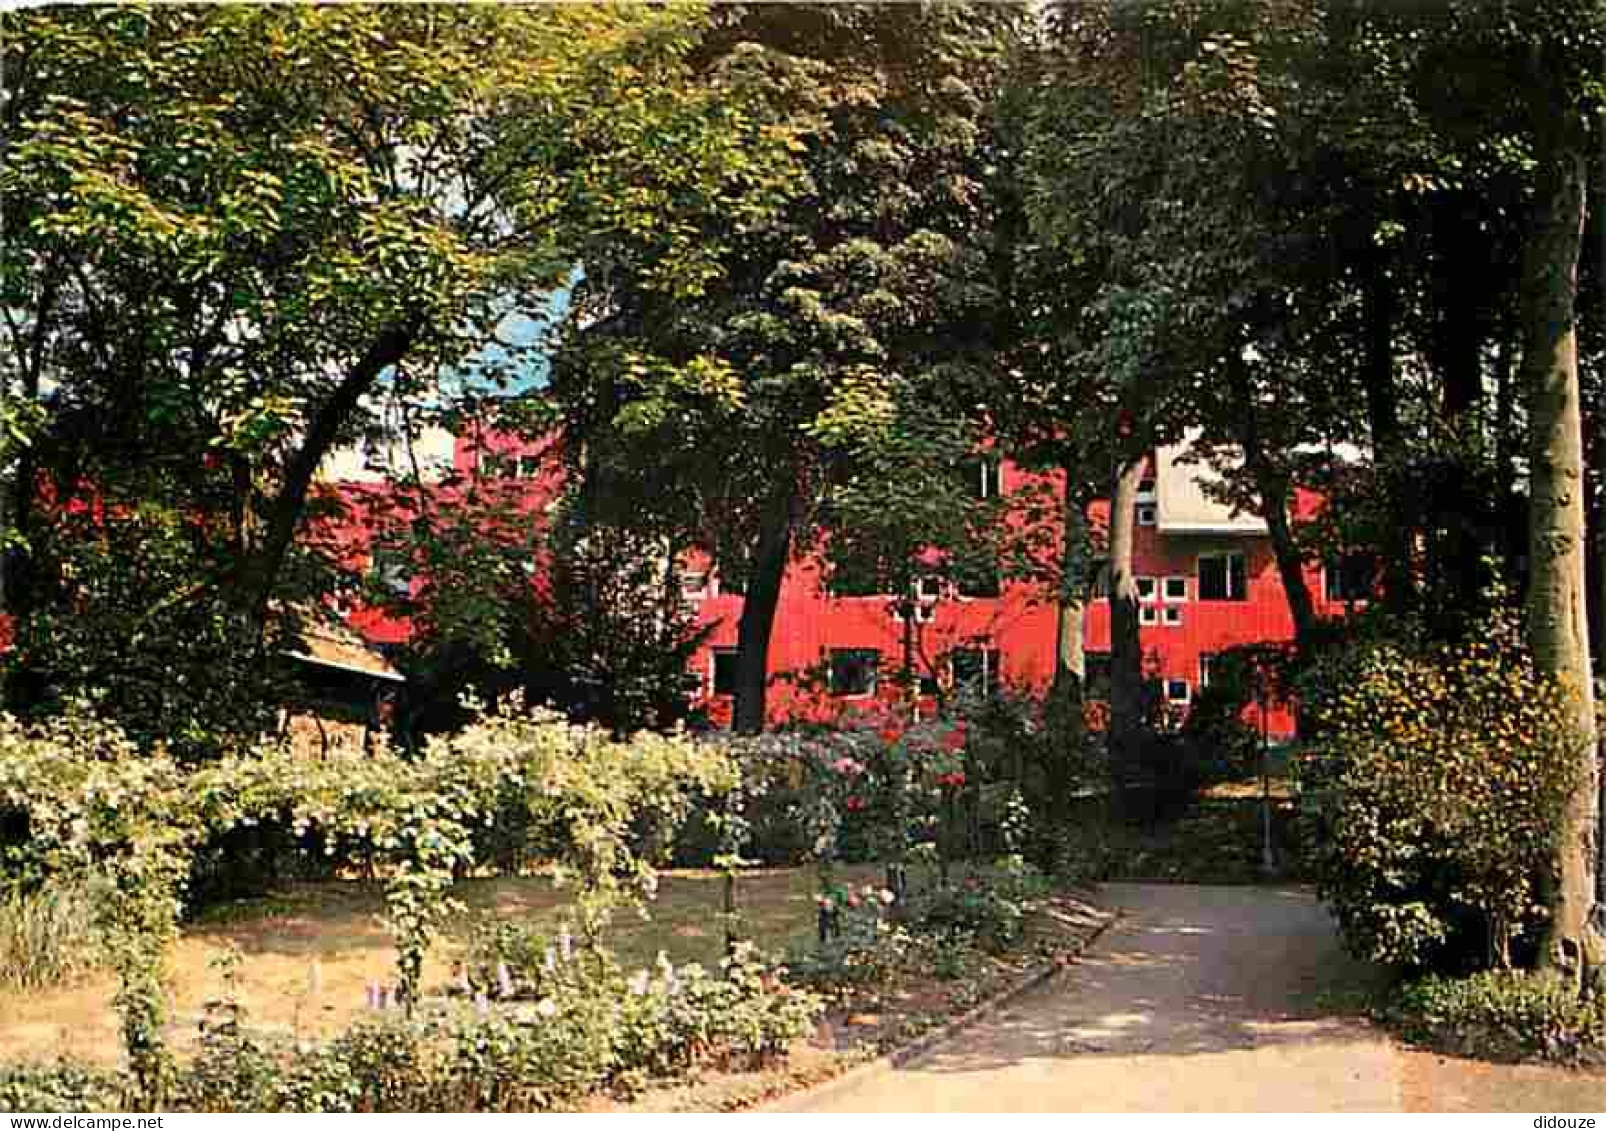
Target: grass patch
[(47, 938)]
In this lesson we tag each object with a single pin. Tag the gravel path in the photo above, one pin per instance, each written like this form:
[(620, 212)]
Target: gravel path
[(1202, 999)]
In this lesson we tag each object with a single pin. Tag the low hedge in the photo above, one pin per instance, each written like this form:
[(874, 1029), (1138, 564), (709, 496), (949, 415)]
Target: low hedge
[(1502, 1015)]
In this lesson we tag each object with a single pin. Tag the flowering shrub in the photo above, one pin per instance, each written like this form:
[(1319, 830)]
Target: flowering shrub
[(96, 807), (589, 1033)]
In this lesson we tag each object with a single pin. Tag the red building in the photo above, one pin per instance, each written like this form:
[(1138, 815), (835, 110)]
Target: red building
[(1206, 578)]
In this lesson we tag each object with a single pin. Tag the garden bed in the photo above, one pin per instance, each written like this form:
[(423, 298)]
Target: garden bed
[(894, 1017), (309, 955)]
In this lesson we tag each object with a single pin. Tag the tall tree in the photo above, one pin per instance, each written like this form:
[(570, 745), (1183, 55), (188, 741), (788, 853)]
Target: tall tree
[(230, 229), (729, 418)]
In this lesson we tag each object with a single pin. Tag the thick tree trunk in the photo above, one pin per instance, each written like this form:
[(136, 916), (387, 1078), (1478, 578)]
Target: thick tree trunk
[(1382, 410), (1558, 629), (1273, 489), (1126, 648), (762, 599)]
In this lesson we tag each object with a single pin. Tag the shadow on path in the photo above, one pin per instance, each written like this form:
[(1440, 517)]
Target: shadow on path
[(1203, 999)]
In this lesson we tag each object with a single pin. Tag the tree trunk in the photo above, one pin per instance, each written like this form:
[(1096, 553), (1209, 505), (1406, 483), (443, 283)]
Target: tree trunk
[(261, 571), (1558, 629), (1067, 695), (1382, 410), (763, 597), (1126, 649), (1272, 486)]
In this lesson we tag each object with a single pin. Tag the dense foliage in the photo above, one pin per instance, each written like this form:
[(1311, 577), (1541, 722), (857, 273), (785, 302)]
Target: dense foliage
[(1436, 779), (1501, 1014)]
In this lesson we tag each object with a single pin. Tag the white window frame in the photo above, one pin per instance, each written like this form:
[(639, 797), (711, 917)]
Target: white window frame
[(1165, 589), (703, 590), (925, 612), (991, 474), (1187, 691), (1148, 514), (1198, 578), (1148, 615), (928, 587), (992, 666), (1171, 616), (1154, 589)]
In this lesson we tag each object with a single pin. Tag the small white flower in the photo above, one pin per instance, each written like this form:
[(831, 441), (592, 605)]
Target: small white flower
[(887, 897), (482, 1005), (546, 1007), (639, 983), (549, 961)]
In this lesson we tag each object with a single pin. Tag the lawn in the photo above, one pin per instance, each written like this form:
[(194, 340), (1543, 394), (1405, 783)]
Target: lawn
[(339, 928)]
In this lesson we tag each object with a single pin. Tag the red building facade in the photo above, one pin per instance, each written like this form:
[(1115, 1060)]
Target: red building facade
[(1206, 577)]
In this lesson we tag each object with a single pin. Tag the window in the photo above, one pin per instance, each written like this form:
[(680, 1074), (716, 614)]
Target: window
[(1097, 682), (1176, 690), (982, 474), (391, 569), (1146, 587), (975, 668), (1146, 492), (694, 583), (928, 588), (853, 671), (724, 673), (928, 685), (923, 613), (1171, 616), (1349, 577), (1222, 577), (1148, 614), (1148, 515), (1175, 589)]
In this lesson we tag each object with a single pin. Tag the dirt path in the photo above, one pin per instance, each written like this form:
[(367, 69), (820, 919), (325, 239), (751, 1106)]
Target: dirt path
[(1203, 999)]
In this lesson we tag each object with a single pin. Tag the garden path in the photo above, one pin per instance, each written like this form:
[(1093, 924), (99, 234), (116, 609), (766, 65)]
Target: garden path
[(1201, 999)]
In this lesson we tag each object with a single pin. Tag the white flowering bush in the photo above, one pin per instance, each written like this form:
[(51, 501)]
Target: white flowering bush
[(96, 807)]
